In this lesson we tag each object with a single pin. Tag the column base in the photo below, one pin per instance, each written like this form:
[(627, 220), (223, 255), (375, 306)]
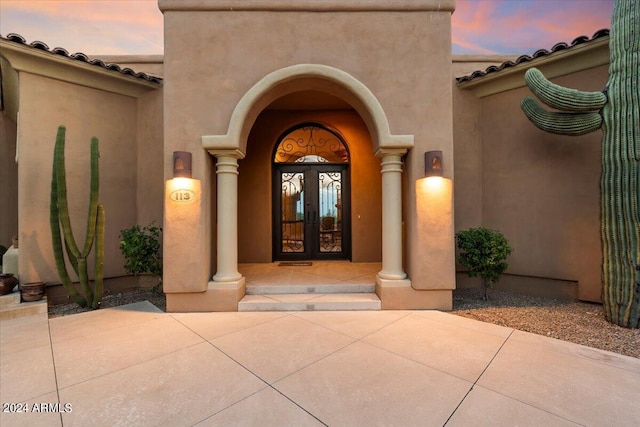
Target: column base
[(384, 275), (227, 278), (219, 296), (399, 295)]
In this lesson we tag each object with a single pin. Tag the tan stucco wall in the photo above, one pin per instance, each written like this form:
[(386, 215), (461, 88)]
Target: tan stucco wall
[(44, 104), (8, 181), (150, 158), (255, 184), (403, 57), (467, 139), (541, 190), (429, 217)]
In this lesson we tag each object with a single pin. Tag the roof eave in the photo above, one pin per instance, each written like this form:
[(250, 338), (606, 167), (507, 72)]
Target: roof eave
[(560, 63), (307, 6), (24, 58)]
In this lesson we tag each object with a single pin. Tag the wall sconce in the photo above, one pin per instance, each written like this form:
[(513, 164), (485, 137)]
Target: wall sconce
[(433, 163), (182, 187), (181, 164)]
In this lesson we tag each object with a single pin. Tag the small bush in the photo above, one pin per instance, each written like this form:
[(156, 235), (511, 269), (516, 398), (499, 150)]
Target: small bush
[(483, 252), (141, 249)]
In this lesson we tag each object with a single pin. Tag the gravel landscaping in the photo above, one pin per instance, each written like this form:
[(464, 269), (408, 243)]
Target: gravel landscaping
[(577, 322), (126, 297)]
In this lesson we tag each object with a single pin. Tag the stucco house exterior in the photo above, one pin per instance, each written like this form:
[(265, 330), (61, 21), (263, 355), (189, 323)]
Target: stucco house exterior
[(307, 124)]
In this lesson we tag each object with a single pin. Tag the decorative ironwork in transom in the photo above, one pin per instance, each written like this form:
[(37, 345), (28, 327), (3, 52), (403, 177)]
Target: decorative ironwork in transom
[(311, 143)]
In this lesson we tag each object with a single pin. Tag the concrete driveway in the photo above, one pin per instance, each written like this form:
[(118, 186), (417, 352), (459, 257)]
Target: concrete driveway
[(135, 365)]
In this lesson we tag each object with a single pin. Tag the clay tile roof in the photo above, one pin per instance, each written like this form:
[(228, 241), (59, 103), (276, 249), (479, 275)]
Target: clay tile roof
[(537, 54), (16, 38)]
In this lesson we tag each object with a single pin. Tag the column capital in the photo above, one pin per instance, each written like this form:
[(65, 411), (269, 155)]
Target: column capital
[(384, 152), (236, 153)]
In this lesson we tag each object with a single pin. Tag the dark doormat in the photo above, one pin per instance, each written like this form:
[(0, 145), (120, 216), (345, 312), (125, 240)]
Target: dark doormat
[(295, 264)]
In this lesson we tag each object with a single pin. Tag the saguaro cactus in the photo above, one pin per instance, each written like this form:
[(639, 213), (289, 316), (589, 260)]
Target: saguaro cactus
[(59, 217), (617, 112)]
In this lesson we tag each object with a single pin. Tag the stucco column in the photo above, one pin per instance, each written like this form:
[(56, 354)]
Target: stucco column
[(227, 215), (391, 214)]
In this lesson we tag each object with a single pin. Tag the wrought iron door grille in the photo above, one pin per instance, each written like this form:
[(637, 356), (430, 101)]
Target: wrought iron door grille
[(311, 144)]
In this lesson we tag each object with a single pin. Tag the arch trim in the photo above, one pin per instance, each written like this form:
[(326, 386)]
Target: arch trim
[(263, 93)]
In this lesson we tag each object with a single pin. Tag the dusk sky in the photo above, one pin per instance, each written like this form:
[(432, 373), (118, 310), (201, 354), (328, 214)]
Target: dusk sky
[(97, 27)]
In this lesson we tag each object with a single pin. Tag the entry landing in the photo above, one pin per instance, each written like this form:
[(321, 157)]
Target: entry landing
[(322, 286)]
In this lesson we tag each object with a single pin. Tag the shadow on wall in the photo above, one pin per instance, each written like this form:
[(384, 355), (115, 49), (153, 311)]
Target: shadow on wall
[(35, 260)]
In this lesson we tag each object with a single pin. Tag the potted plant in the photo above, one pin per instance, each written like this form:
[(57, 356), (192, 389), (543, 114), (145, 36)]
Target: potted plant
[(7, 283), (483, 252), (32, 291), (141, 248)]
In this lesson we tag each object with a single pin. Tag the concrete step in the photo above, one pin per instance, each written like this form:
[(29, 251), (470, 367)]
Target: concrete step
[(17, 309), (12, 298), (310, 302), (341, 288)]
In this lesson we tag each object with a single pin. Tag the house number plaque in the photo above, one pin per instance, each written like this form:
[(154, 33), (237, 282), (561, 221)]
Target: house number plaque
[(182, 196)]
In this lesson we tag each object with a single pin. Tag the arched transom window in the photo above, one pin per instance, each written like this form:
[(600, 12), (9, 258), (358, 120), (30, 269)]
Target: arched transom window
[(311, 143)]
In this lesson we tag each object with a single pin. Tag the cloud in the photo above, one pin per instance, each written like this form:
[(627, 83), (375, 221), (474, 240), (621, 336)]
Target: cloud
[(97, 26), (469, 22), (524, 26), (136, 26), (138, 12)]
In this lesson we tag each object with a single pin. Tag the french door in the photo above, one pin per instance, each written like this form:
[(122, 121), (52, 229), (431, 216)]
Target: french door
[(311, 212)]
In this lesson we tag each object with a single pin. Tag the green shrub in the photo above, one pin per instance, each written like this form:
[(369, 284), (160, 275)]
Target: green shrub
[(483, 252), (141, 249)]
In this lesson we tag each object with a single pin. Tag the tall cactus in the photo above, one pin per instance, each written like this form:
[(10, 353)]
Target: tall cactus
[(617, 112), (59, 218)]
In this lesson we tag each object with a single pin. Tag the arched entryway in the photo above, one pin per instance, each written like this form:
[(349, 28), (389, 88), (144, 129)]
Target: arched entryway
[(228, 149), (311, 194), (256, 204)]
